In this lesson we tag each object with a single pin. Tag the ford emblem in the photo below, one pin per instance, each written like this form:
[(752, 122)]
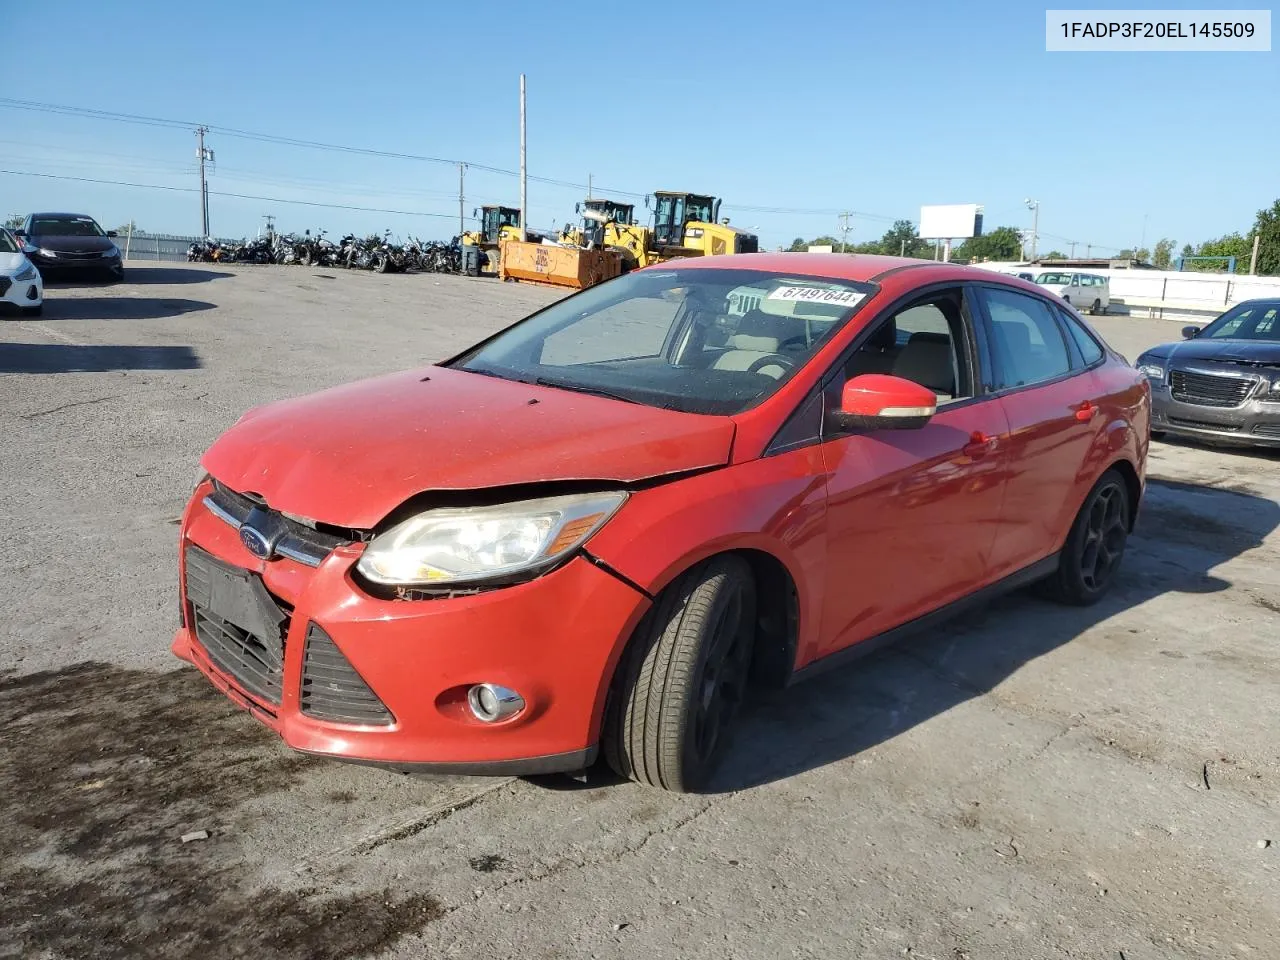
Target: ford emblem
[(256, 542)]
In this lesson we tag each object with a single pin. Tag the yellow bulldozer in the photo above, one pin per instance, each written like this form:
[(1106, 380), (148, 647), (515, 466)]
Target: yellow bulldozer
[(684, 225), (497, 224)]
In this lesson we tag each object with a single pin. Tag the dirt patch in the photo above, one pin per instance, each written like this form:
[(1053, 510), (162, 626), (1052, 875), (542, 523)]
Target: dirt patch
[(103, 771)]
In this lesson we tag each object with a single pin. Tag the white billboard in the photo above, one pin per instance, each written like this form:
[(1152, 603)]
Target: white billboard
[(952, 221)]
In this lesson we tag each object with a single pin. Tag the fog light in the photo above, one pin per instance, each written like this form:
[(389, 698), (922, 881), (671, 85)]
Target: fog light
[(491, 703)]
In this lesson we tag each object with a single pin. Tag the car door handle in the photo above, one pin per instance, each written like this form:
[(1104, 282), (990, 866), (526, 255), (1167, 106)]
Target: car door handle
[(1086, 411), (979, 445)]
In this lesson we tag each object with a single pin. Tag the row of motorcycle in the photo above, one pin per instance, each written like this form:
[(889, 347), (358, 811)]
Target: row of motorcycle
[(376, 253)]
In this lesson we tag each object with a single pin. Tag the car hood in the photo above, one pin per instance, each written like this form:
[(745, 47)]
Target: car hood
[(11, 263), (350, 455), (72, 244), (1223, 350)]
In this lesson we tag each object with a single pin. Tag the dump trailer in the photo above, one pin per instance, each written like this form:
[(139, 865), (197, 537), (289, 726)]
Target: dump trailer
[(557, 265)]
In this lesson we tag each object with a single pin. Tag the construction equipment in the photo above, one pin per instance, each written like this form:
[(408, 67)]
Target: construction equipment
[(556, 265), (684, 225), (497, 224)]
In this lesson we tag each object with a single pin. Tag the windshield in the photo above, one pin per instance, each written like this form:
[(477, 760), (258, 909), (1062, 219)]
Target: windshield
[(1248, 321), (1054, 278), (699, 341), (65, 227), (7, 243)]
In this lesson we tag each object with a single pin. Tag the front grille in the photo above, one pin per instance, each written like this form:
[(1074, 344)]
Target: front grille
[(253, 660), (298, 541), (331, 688), (1267, 430), (1204, 425), (1208, 390), (79, 256)]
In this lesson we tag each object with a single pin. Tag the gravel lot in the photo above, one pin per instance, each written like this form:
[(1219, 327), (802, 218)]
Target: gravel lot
[(1030, 781)]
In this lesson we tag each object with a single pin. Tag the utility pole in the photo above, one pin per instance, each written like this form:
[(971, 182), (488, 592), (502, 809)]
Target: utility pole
[(1253, 257), (523, 179), (1073, 249), (844, 232), (1034, 207), (1088, 251), (588, 186), (204, 184), (462, 225)]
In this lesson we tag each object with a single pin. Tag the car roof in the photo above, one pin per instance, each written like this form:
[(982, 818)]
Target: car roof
[(859, 267), (61, 216)]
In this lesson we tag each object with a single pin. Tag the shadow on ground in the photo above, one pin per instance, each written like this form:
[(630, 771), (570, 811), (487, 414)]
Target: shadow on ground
[(123, 307), (851, 709), (77, 358), (104, 771), (141, 275)]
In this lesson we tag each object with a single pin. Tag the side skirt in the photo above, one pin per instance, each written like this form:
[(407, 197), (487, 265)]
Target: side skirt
[(1027, 575)]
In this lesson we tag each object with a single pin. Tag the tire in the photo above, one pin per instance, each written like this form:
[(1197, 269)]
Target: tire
[(306, 259), (1095, 545), (380, 264), (1157, 434), (33, 311), (682, 679), (1096, 309)]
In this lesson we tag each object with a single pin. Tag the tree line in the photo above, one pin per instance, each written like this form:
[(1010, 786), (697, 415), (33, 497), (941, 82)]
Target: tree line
[(1005, 243)]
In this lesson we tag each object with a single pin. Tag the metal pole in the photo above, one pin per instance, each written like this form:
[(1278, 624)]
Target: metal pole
[(128, 240), (524, 183), (588, 186), (461, 219), (1073, 249), (1253, 257), (1035, 229), (204, 187)]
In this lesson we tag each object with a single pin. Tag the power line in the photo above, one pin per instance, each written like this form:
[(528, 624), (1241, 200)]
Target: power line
[(171, 123), (223, 193)]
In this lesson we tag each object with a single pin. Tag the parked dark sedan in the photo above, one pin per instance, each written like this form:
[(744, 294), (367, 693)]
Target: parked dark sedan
[(64, 243), (1222, 382)]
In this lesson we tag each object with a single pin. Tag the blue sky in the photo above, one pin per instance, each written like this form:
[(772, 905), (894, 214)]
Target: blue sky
[(871, 107)]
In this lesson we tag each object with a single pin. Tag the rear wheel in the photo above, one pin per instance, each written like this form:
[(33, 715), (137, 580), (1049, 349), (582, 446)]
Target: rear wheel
[(683, 678), (1096, 309), (1095, 546)]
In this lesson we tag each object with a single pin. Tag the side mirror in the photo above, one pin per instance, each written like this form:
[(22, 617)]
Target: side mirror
[(19, 233), (874, 401), (113, 233), (1190, 333)]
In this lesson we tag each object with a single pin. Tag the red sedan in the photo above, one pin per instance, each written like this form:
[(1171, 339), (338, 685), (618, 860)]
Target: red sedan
[(595, 531)]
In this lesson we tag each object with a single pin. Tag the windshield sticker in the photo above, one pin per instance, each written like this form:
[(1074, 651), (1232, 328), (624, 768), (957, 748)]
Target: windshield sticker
[(846, 298)]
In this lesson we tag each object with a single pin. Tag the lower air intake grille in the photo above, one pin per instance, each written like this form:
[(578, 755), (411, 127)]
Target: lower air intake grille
[(255, 661), (331, 688)]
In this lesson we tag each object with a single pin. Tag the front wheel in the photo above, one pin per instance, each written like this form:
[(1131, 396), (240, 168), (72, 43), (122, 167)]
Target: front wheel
[(1095, 545), (683, 678)]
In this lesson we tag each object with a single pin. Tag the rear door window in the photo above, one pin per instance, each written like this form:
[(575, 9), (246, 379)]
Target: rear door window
[(1089, 349), (1026, 342)]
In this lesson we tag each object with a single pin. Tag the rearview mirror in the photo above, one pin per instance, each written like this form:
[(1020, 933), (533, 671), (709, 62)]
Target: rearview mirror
[(875, 401), (1190, 333)]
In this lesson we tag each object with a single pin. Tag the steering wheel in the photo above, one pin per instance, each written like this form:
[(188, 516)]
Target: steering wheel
[(800, 341), (771, 360)]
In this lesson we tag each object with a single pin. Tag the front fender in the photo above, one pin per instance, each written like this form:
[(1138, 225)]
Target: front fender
[(774, 505)]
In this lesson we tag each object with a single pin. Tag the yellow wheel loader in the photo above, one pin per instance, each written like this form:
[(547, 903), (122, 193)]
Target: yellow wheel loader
[(497, 224)]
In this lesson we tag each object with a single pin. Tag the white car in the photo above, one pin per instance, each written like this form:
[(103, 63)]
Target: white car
[(20, 283), (1084, 291)]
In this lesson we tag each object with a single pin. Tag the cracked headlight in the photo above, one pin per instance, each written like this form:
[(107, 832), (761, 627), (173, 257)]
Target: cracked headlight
[(474, 544)]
